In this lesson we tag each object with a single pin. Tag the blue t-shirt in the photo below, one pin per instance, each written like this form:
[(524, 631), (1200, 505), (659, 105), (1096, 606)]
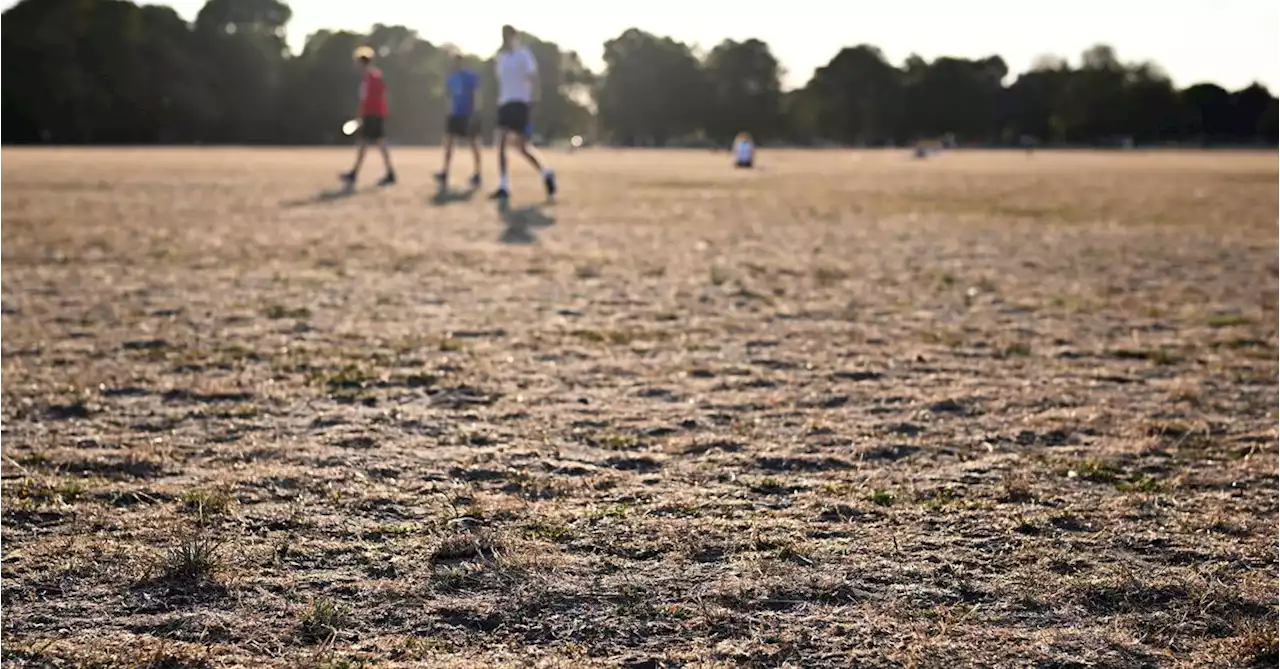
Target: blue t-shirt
[(462, 87)]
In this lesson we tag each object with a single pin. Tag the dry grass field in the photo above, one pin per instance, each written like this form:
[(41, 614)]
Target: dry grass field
[(847, 410)]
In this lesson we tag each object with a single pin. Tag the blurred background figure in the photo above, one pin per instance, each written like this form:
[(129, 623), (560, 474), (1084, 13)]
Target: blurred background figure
[(744, 150), (372, 112), (518, 91), (461, 87)]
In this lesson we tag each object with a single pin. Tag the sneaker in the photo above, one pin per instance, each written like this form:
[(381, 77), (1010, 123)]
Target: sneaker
[(388, 180), (475, 180), (441, 178), (348, 178), (550, 181), (500, 194)]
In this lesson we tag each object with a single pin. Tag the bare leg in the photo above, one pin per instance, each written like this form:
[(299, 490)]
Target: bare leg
[(529, 152), (502, 159), (386, 156), (548, 177), (359, 157), (475, 152), (448, 154)]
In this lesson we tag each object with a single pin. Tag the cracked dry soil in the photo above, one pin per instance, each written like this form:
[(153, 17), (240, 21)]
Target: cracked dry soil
[(849, 409)]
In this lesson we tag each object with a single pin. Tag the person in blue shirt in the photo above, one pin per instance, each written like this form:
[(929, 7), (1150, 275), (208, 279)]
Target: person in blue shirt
[(462, 86)]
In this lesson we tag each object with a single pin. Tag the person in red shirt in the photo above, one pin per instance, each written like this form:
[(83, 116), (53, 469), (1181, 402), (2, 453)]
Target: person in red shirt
[(372, 113)]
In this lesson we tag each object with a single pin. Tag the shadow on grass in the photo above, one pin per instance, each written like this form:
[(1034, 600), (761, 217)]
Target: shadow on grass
[(447, 195), (327, 195), (520, 223)]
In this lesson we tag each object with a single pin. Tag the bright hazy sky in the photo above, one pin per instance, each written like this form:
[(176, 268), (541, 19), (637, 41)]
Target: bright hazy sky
[(1230, 42)]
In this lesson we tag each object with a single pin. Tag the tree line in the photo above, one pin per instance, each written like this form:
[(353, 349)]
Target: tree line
[(112, 72)]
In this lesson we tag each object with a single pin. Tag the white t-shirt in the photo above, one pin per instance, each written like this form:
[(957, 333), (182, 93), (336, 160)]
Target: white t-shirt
[(514, 68)]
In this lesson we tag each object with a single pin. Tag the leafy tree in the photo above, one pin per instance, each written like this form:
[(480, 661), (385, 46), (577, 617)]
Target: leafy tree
[(1269, 123), (178, 78), (1093, 104), (801, 111), (931, 93), (1249, 108), (746, 91), (53, 89), (1151, 105), (653, 89), (860, 96), (1208, 112), (244, 40), (1033, 100)]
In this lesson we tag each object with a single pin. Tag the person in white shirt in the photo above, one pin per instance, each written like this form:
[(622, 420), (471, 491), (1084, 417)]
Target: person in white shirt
[(744, 150), (518, 89)]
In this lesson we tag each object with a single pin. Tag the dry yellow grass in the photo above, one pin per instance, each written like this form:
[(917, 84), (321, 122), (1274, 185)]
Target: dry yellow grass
[(849, 409)]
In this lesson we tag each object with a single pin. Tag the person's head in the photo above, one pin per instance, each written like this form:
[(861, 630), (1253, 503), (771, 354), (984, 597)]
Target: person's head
[(363, 57), (459, 63), (509, 36)]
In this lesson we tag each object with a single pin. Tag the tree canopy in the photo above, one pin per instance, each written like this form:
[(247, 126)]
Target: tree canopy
[(111, 71)]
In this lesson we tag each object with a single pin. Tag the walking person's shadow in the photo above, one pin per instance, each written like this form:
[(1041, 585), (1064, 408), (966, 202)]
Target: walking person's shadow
[(446, 195), (327, 195), (520, 223)]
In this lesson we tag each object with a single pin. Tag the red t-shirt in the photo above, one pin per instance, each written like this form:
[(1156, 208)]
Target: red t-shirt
[(373, 94)]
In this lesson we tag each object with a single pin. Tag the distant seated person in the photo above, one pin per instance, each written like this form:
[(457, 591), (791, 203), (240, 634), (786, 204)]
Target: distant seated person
[(744, 150)]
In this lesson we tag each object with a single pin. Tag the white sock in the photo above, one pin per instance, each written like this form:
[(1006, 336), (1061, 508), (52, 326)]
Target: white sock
[(547, 171), (502, 181)]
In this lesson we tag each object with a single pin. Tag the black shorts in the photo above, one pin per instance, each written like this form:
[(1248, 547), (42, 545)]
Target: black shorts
[(514, 116), (460, 125), (372, 128)]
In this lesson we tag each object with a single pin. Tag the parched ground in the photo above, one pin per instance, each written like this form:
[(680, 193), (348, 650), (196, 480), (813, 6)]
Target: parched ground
[(847, 410)]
